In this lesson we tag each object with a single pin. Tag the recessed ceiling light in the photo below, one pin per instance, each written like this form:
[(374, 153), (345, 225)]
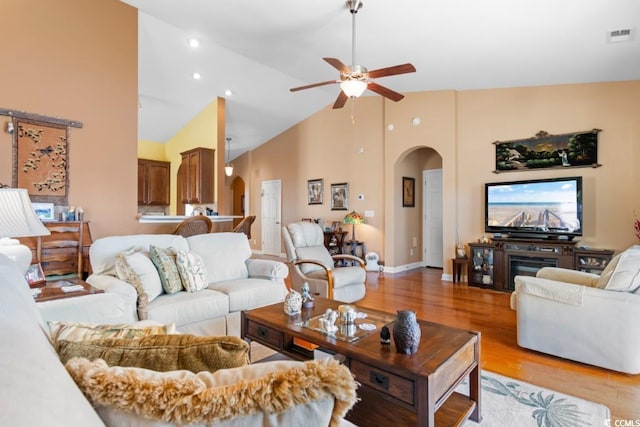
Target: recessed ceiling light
[(228, 92), (196, 76), (194, 42)]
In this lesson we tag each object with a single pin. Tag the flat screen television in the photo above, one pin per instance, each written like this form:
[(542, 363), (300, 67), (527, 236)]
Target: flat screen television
[(540, 208)]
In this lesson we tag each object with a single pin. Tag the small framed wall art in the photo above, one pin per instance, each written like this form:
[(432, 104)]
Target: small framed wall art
[(35, 276), (340, 197), (315, 190), (44, 211), (408, 192)]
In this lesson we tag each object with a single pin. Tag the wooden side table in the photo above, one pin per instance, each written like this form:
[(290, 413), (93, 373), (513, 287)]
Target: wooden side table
[(459, 266), (53, 290)]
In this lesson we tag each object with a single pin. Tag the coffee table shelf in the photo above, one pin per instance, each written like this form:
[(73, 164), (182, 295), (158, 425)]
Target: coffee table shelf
[(396, 389)]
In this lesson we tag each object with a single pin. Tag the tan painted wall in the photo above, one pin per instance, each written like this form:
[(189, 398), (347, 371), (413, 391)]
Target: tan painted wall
[(78, 60), (458, 128)]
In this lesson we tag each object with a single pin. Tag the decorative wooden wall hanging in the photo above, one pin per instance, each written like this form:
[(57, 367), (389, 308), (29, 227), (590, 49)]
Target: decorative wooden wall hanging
[(568, 150), (41, 155)]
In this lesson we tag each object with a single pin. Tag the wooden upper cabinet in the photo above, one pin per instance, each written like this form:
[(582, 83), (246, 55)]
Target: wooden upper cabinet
[(153, 182), (196, 178)]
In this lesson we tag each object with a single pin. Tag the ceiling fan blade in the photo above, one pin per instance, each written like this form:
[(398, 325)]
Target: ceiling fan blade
[(391, 71), (340, 101), (337, 64), (386, 92), (295, 89)]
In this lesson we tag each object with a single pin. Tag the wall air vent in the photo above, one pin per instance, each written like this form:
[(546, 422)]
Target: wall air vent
[(621, 35)]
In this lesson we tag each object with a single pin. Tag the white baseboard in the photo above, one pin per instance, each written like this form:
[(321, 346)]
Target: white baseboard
[(401, 268)]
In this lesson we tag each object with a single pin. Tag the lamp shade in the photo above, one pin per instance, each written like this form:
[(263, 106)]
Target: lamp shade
[(353, 218), (228, 170), (353, 88), (17, 217)]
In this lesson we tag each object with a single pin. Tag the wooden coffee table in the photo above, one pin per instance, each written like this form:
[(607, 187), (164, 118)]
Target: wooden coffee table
[(396, 389)]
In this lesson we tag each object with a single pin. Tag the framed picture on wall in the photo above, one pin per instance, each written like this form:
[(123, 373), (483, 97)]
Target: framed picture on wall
[(408, 192), (340, 196), (315, 190)]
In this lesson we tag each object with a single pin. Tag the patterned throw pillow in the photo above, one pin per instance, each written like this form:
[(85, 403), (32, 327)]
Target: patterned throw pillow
[(162, 352), (75, 331), (164, 260), (135, 268), (191, 270)]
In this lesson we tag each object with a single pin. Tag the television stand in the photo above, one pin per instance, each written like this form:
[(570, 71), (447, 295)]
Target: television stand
[(495, 264)]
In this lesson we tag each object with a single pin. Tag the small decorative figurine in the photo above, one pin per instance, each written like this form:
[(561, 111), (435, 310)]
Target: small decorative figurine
[(406, 332), (307, 299), (293, 303), (328, 321), (385, 335)]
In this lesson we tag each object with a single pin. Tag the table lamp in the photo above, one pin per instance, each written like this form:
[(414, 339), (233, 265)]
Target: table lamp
[(353, 218), (18, 219)]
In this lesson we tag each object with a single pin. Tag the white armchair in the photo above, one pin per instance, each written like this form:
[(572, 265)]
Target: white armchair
[(581, 316), (311, 262)]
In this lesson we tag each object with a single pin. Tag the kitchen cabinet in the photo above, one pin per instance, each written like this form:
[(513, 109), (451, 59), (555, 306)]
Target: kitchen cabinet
[(153, 182), (196, 177)]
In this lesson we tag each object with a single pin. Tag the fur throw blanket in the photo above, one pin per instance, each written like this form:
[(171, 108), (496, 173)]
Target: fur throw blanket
[(183, 397)]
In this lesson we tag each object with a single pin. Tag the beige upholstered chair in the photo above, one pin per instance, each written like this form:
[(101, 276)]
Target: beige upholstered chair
[(582, 316), (198, 224), (311, 262)]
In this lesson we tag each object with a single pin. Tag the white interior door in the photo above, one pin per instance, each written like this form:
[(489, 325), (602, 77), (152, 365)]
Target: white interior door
[(271, 202), (432, 209)]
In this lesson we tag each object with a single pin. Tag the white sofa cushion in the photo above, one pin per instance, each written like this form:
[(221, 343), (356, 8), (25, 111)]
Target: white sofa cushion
[(186, 307), (36, 390), (245, 294), (224, 255), (626, 274)]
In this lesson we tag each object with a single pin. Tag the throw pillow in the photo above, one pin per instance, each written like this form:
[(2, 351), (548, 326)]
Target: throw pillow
[(74, 331), (164, 260), (626, 274), (162, 352), (208, 398), (191, 270), (135, 268)]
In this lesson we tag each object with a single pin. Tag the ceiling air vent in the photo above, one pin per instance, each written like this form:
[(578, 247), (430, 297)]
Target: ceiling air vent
[(622, 35)]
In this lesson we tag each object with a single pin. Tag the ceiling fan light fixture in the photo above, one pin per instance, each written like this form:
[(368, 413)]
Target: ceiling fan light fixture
[(353, 88)]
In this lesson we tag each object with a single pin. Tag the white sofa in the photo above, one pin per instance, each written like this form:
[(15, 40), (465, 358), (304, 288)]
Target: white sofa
[(236, 282), (582, 316), (36, 389)]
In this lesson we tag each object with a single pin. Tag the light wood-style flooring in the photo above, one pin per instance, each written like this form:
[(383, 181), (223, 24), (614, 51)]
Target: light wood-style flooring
[(488, 311)]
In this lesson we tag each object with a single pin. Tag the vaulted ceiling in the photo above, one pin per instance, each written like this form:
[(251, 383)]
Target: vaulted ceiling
[(260, 49)]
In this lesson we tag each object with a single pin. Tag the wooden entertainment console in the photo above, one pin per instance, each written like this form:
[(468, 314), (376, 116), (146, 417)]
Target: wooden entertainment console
[(495, 264)]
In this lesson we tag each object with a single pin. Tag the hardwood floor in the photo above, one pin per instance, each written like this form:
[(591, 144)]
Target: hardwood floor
[(488, 311)]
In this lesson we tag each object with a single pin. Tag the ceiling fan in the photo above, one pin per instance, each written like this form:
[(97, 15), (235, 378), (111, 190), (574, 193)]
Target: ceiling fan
[(355, 79)]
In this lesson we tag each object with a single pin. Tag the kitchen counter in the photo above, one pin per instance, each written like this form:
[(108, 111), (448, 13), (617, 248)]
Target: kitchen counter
[(174, 219)]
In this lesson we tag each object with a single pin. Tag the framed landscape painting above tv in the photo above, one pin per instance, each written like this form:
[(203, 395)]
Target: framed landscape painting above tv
[(577, 149)]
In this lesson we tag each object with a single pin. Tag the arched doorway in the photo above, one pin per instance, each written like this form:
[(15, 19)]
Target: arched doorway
[(418, 227), (238, 199)]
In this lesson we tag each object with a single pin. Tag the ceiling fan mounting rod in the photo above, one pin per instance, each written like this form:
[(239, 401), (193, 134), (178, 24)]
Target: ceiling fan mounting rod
[(354, 6)]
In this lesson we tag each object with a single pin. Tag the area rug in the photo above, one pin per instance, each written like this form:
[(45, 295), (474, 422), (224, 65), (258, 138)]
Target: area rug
[(507, 402)]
